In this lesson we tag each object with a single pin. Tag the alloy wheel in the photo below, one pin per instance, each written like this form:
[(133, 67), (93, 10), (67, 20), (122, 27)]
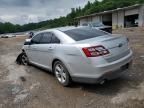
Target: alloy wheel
[(60, 73), (24, 59)]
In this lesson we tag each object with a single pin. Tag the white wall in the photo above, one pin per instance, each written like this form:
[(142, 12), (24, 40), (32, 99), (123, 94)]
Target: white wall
[(114, 20), (121, 19), (90, 19), (131, 12), (118, 19), (141, 17), (85, 20), (82, 21), (96, 19)]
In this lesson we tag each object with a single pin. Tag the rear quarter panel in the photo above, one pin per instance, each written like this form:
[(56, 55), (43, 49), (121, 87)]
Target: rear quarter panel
[(70, 55)]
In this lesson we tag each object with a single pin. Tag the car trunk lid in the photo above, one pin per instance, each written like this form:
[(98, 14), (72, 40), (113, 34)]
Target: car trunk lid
[(117, 46)]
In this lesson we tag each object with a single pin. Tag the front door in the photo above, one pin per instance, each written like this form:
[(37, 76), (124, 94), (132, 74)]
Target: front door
[(32, 51)]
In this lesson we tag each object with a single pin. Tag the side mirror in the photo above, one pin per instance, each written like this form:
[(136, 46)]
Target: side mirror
[(27, 42)]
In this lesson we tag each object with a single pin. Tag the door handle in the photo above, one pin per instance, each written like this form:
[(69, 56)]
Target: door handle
[(50, 48)]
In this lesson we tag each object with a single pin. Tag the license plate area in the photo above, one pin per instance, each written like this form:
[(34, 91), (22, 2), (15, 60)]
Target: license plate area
[(117, 72), (124, 67)]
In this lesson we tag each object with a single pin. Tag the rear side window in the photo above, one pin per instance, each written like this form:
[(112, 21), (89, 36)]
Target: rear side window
[(84, 33), (55, 39), (46, 39)]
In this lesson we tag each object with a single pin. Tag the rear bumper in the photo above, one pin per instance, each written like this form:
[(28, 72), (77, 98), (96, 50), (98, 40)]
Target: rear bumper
[(81, 72), (106, 76)]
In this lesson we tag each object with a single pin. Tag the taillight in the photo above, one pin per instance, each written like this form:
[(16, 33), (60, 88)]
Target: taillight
[(95, 51)]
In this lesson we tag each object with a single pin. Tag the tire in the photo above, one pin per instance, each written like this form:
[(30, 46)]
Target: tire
[(24, 59), (61, 73)]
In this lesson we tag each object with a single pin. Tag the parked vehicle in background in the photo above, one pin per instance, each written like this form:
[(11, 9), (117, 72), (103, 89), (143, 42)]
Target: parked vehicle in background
[(80, 54), (8, 35), (99, 26)]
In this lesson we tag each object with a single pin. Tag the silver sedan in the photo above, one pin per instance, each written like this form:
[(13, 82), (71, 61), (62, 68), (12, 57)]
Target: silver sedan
[(79, 54)]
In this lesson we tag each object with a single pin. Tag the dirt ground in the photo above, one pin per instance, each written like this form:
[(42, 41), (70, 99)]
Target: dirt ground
[(31, 87)]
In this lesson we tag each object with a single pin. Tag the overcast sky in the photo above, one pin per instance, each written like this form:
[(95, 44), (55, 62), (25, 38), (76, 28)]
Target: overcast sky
[(25, 11)]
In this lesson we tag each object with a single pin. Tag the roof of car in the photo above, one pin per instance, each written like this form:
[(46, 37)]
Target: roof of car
[(66, 28), (63, 29)]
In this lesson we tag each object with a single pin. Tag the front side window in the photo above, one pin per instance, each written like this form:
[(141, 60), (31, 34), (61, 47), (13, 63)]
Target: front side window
[(55, 39)]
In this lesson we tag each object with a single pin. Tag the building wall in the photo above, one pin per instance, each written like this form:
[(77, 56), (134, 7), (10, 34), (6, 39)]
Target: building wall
[(141, 17), (82, 21), (96, 19), (114, 20), (118, 19), (85, 20), (131, 11), (90, 19)]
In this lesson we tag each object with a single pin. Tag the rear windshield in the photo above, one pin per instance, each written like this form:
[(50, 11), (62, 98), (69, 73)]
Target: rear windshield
[(84, 33)]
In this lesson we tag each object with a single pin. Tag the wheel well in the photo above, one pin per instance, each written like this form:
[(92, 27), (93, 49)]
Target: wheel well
[(54, 62)]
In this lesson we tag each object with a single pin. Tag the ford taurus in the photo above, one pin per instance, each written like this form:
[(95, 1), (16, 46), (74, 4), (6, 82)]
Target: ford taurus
[(79, 54)]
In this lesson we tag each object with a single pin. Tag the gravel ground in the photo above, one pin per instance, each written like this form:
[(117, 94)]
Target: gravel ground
[(31, 87)]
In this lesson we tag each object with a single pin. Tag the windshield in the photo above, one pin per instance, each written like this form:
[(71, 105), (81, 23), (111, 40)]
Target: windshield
[(84, 33)]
